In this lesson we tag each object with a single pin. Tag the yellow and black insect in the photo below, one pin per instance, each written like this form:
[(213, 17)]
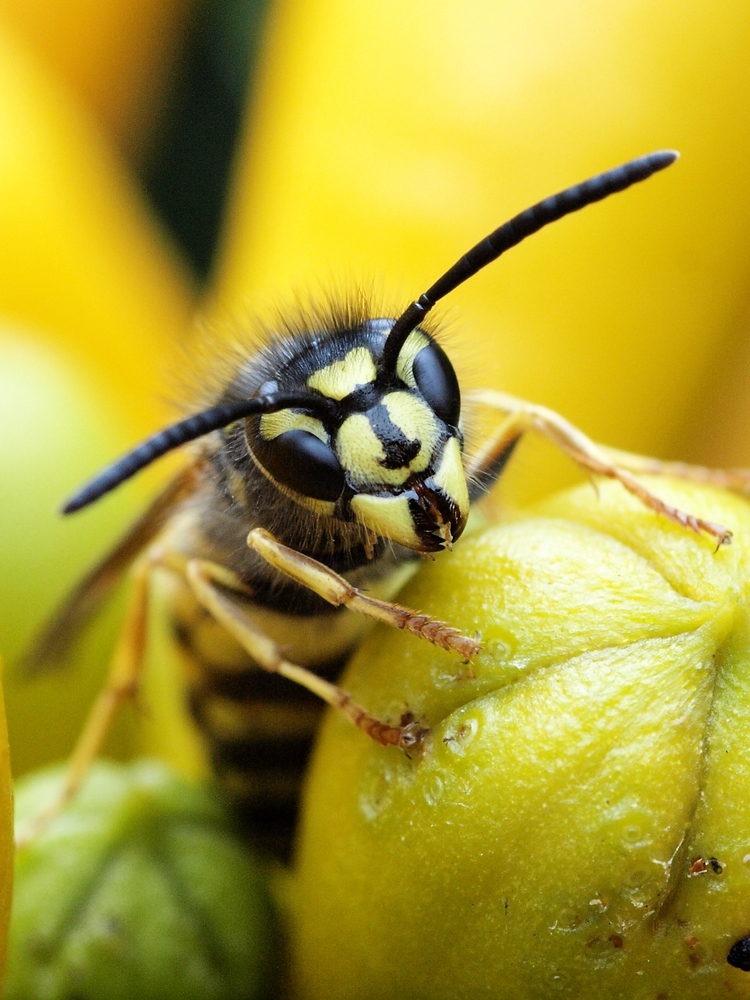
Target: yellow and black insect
[(328, 462)]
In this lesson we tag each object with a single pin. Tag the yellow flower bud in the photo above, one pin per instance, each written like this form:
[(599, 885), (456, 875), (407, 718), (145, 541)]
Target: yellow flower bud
[(577, 823)]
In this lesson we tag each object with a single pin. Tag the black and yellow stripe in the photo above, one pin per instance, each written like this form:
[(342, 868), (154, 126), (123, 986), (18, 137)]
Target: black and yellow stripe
[(257, 726)]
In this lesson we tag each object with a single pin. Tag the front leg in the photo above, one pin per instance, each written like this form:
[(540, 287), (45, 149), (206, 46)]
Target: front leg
[(337, 591), (208, 582), (522, 416)]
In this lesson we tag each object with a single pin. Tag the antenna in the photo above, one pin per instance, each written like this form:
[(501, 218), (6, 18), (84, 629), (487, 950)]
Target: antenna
[(514, 231), (187, 430)]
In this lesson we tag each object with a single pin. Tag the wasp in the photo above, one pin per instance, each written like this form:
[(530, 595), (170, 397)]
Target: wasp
[(329, 461)]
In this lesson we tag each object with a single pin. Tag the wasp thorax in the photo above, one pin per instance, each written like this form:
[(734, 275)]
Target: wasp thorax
[(383, 448)]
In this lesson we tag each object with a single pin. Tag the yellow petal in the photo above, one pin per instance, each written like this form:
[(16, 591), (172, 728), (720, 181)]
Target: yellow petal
[(119, 57), (81, 262), (92, 302), (6, 838)]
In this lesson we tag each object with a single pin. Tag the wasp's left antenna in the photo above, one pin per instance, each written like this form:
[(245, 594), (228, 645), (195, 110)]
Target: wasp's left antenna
[(188, 430), (515, 230)]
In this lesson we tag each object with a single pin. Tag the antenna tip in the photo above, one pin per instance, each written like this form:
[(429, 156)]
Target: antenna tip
[(82, 498), (70, 506), (663, 158)]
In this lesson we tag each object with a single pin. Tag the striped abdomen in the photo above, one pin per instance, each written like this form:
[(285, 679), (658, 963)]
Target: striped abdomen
[(258, 726)]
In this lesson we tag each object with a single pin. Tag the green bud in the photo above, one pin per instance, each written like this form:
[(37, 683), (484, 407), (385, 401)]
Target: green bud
[(139, 889), (577, 823)]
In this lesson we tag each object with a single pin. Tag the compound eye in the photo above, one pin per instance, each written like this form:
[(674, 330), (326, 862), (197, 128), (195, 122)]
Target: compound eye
[(437, 382), (302, 462)]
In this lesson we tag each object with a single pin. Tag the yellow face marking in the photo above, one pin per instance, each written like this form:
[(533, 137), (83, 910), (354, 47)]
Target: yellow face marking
[(450, 476), (388, 517), (361, 453), (416, 421), (273, 424), (405, 363), (342, 377)]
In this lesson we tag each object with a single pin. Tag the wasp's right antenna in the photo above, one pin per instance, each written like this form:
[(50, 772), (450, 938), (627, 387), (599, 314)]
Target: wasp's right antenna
[(517, 229)]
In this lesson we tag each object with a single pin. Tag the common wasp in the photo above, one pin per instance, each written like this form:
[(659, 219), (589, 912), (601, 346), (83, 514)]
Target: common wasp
[(329, 461)]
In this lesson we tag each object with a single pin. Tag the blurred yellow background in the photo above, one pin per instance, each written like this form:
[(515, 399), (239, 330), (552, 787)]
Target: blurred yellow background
[(380, 141), (388, 138)]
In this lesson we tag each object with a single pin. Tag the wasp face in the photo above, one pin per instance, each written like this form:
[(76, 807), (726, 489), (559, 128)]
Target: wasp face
[(389, 453)]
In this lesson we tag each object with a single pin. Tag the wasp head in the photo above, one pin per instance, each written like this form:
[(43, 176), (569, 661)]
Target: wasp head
[(384, 450)]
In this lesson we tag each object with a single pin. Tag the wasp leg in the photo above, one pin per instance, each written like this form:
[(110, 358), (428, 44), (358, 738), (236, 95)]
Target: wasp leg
[(337, 591), (523, 416), (736, 480), (481, 467), (121, 686), (206, 578)]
